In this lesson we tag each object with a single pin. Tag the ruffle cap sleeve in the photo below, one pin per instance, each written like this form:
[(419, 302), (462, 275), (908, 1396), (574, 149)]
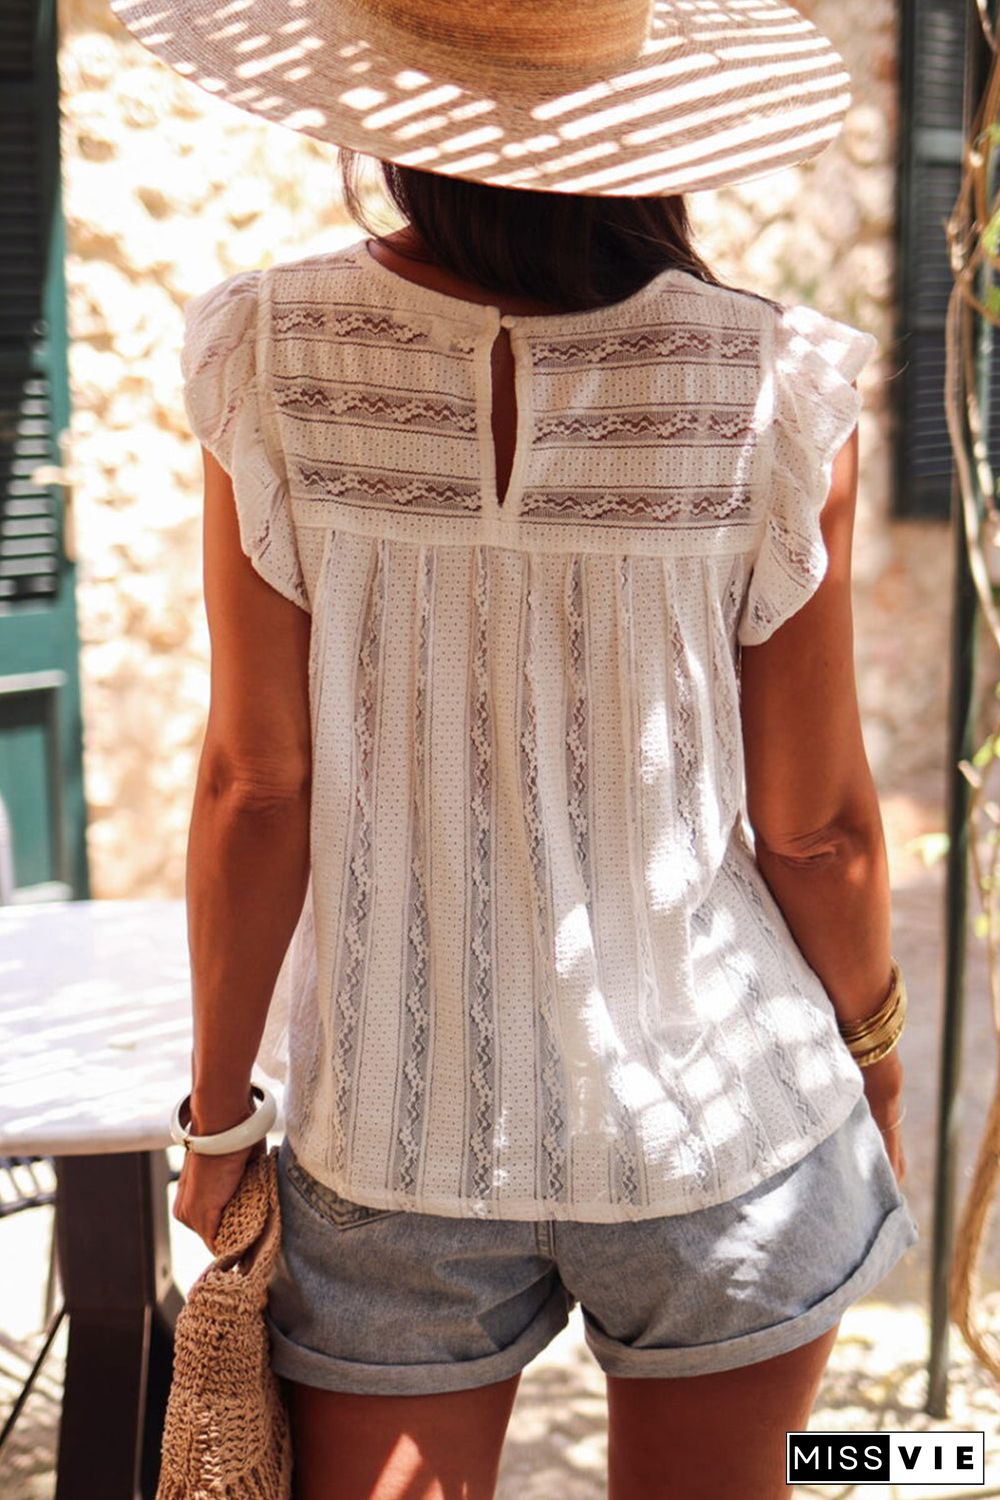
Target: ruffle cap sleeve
[(223, 363), (815, 409)]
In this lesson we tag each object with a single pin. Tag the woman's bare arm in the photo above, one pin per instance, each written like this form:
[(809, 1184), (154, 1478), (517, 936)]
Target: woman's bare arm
[(248, 846), (811, 797)]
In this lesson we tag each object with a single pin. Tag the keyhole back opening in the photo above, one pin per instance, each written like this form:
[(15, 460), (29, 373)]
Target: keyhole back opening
[(503, 411)]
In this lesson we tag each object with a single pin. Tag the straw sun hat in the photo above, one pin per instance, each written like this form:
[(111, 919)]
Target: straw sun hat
[(645, 97)]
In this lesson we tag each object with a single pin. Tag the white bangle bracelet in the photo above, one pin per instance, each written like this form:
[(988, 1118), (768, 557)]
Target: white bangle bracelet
[(246, 1133)]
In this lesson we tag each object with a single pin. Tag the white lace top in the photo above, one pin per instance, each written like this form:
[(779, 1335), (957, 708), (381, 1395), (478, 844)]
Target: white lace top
[(538, 973)]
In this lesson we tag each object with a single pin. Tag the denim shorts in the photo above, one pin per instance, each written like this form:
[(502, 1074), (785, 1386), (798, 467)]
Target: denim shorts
[(392, 1302)]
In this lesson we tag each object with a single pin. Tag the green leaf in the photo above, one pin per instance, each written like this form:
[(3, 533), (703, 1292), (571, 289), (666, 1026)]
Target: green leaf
[(991, 235), (985, 753)]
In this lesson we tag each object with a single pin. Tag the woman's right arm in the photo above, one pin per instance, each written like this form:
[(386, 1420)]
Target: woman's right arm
[(811, 798)]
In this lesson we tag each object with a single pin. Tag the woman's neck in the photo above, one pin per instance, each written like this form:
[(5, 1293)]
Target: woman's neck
[(406, 253)]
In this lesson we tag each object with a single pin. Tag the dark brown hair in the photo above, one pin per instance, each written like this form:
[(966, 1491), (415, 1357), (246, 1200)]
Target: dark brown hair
[(573, 250)]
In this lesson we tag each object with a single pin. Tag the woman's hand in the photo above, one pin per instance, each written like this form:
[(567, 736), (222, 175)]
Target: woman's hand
[(207, 1183), (884, 1092)]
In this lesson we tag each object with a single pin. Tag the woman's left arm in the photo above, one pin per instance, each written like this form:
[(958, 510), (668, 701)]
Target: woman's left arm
[(248, 845)]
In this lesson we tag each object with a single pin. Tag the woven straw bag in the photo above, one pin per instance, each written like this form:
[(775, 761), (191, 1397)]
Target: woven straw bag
[(227, 1434)]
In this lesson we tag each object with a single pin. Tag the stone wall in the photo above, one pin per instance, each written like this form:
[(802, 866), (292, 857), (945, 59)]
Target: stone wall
[(825, 234), (168, 190)]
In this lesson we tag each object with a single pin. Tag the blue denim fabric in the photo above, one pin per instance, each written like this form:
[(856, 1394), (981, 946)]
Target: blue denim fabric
[(384, 1301)]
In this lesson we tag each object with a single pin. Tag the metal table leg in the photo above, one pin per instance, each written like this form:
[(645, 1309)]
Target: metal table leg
[(113, 1240)]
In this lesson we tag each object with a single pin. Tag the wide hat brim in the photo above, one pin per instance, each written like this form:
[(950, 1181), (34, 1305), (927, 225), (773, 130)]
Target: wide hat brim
[(717, 93)]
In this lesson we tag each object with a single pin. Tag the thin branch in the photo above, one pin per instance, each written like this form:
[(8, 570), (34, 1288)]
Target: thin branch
[(973, 216), (988, 29)]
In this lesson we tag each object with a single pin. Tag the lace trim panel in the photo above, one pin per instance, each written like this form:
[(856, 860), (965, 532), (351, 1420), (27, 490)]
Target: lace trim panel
[(723, 604), (479, 1177), (347, 324), (359, 886), (377, 408), (411, 1119), (373, 488), (697, 343), (303, 320), (667, 503), (639, 427), (551, 1082), (314, 1054), (625, 1183)]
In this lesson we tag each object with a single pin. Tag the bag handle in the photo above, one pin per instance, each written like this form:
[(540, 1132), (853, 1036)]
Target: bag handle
[(250, 1228)]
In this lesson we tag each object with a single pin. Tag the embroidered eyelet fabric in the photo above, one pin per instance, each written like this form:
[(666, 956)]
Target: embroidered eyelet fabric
[(538, 974)]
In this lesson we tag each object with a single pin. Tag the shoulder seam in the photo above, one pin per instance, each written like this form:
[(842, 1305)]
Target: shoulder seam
[(331, 258)]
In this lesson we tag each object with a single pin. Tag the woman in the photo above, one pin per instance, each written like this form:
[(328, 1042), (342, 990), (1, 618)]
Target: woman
[(527, 568)]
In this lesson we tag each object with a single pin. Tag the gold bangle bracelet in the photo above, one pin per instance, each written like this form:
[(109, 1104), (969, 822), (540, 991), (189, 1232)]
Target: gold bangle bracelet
[(855, 1030), (890, 1027), (876, 1054), (874, 1023), (878, 1046), (874, 1036)]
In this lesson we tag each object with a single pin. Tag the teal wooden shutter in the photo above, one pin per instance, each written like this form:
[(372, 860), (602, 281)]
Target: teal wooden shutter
[(40, 732), (932, 84)]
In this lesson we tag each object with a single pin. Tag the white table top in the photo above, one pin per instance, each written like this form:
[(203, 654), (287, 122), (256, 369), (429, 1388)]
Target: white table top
[(95, 1026)]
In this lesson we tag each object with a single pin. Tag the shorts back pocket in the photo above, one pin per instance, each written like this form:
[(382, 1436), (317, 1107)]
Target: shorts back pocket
[(330, 1205)]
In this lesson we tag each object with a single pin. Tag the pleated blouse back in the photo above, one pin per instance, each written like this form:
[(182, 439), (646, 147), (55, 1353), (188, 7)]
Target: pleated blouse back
[(538, 973)]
